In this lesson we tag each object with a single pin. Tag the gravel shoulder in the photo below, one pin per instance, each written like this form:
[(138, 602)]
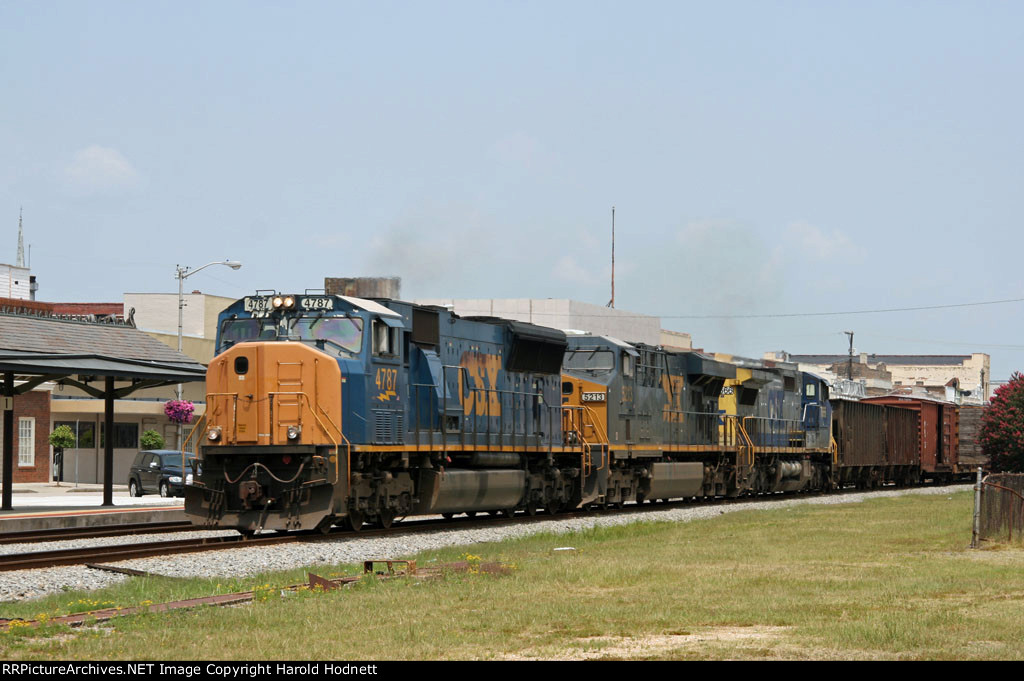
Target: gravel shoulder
[(242, 562)]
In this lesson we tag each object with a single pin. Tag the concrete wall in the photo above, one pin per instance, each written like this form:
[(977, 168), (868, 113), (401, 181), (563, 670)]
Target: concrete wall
[(158, 312)]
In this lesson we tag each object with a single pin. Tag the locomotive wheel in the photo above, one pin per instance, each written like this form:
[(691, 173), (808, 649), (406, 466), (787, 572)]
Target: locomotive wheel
[(531, 508), (447, 516), (325, 525), (509, 513), (553, 507), (386, 518), (355, 520), (470, 514)]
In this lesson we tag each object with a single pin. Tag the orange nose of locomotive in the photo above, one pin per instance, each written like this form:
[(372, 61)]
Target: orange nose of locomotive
[(273, 394)]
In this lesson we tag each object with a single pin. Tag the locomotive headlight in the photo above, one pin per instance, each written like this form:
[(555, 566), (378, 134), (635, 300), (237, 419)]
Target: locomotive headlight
[(277, 302), (294, 432), (214, 434), (289, 302)]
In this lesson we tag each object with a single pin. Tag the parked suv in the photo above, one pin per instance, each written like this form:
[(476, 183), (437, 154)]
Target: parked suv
[(157, 470)]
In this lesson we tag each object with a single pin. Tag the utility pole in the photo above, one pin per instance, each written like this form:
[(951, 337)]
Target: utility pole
[(849, 364)]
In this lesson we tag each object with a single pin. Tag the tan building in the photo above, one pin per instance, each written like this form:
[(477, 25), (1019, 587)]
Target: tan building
[(157, 315), (676, 340), (958, 378)]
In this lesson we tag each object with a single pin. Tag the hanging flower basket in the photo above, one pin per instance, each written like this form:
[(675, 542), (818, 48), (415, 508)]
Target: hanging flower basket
[(179, 411)]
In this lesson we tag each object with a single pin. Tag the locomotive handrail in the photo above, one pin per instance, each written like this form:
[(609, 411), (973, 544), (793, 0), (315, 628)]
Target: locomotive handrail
[(586, 459), (605, 442), (234, 410), (680, 428), (773, 424), (195, 451)]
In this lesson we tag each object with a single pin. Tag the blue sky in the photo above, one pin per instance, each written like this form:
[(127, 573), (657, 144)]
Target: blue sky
[(763, 157)]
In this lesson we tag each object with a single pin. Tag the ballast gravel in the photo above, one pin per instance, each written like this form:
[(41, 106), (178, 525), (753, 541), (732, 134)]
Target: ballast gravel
[(244, 562)]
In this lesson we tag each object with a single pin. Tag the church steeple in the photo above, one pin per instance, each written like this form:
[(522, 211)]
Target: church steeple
[(21, 243)]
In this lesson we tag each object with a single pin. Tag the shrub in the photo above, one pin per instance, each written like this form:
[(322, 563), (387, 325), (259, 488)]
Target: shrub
[(151, 439), (62, 438), (1002, 427)]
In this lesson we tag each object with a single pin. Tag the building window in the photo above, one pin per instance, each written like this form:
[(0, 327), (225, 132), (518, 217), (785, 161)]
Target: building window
[(126, 436), (82, 431), (27, 441)]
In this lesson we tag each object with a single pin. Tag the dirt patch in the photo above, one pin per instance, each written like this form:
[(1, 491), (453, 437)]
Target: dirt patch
[(679, 645)]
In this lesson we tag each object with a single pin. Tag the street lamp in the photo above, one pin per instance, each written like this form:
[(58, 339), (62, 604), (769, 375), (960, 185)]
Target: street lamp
[(182, 274)]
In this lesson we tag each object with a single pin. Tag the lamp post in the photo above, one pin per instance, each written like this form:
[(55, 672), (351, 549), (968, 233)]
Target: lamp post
[(182, 274)]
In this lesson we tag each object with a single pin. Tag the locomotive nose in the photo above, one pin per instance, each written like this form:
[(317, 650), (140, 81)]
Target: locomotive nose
[(273, 394)]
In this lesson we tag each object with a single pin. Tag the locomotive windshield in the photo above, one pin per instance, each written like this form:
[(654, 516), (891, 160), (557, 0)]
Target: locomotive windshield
[(340, 335), (595, 360)]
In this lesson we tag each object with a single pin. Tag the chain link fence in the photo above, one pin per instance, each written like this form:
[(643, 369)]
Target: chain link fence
[(999, 509)]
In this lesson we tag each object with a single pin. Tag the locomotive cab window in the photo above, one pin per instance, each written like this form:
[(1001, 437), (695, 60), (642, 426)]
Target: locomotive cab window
[(385, 339), (810, 390)]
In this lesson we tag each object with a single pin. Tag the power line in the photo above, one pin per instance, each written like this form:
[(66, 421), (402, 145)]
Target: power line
[(536, 313), (847, 312)]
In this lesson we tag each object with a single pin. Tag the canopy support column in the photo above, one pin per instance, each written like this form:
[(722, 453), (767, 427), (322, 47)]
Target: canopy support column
[(108, 441), (8, 456)]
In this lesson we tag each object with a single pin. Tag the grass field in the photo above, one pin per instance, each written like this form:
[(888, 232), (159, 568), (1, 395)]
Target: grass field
[(884, 579)]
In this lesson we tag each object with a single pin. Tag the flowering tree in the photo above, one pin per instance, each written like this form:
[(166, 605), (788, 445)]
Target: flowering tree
[(179, 411), (1002, 427)]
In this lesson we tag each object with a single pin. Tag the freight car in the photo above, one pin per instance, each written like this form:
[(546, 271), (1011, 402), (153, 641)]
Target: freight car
[(325, 410), (937, 433)]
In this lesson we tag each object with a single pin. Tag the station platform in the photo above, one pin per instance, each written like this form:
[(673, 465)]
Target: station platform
[(38, 506)]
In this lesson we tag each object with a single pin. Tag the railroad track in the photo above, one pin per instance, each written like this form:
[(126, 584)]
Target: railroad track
[(96, 555), (93, 532)]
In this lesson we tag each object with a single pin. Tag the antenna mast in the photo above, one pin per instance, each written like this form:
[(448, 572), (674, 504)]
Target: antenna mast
[(21, 244), (611, 303)]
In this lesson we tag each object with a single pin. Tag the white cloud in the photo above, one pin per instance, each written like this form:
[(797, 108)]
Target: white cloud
[(817, 243), (569, 269), (99, 170)]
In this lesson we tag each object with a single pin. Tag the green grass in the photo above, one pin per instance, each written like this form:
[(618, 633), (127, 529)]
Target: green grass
[(884, 579)]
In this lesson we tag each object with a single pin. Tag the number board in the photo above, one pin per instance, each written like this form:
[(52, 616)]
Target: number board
[(594, 397)]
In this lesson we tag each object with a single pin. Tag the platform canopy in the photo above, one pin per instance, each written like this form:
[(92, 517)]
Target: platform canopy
[(35, 349)]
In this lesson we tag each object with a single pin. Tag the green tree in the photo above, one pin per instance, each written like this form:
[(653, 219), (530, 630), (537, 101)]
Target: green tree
[(60, 439), (1002, 427), (151, 440)]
